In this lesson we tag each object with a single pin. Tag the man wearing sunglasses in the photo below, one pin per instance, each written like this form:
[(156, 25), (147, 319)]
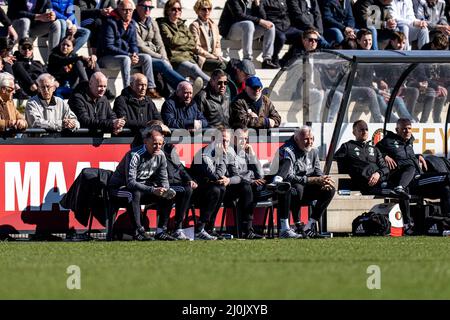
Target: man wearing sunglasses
[(214, 100), (26, 68), (252, 109)]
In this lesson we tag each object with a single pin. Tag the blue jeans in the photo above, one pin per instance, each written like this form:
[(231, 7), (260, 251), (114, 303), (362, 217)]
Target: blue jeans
[(172, 77)]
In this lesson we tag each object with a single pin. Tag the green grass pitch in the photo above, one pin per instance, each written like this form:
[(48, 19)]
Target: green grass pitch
[(410, 268)]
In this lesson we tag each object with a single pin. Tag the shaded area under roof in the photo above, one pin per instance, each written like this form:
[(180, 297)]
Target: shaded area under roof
[(392, 56)]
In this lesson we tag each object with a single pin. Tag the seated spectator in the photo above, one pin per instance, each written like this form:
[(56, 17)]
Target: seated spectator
[(10, 118), (134, 106), (68, 68), (375, 16), (33, 19), (214, 173), (119, 47), (141, 178), (26, 69), (338, 21), (251, 109), (92, 108), (397, 41), (277, 12), (239, 72), (93, 15), (240, 22), (398, 152), (305, 15), (149, 41), (7, 30), (214, 101), (433, 12), (298, 163), (179, 42), (207, 38), (180, 111), (414, 29), (368, 170), (64, 10), (47, 111)]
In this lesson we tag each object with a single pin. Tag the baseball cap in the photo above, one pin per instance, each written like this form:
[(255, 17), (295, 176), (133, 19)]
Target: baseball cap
[(247, 66), (25, 41), (253, 82)]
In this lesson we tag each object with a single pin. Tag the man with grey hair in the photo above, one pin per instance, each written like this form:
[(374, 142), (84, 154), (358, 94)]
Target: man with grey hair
[(119, 46), (10, 118), (134, 106), (47, 111), (298, 164), (180, 111), (92, 108)]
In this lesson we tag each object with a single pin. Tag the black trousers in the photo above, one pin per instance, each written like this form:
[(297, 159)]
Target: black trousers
[(182, 203), (209, 198), (304, 194), (163, 206), (434, 185)]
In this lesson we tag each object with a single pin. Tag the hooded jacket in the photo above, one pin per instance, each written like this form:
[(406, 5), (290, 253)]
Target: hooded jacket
[(136, 112)]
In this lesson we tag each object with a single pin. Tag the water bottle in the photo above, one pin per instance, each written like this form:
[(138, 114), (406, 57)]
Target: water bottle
[(446, 233)]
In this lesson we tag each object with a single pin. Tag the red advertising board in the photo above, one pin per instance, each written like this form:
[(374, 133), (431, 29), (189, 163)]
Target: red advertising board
[(33, 179)]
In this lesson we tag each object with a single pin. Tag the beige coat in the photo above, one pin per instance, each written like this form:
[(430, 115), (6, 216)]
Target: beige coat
[(8, 112), (200, 35)]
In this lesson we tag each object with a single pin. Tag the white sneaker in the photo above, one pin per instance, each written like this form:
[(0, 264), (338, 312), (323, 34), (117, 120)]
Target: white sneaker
[(180, 235), (289, 234), (203, 235), (197, 86)]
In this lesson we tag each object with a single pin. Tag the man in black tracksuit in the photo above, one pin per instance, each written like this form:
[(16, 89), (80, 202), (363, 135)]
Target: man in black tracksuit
[(398, 152), (368, 170)]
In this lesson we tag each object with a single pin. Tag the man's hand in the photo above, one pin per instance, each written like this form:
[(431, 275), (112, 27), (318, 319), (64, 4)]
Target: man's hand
[(252, 114), (259, 182), (423, 163), (21, 124), (249, 149), (106, 11), (390, 162), (33, 87), (349, 33), (193, 185), (265, 24), (391, 24), (118, 125), (441, 92), (422, 24), (271, 123), (383, 85), (224, 181), (373, 180), (197, 124), (326, 182), (12, 33), (69, 123), (159, 191), (134, 58)]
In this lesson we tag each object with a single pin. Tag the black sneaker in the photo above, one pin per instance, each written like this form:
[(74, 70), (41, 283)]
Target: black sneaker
[(214, 233), (253, 236), (401, 193), (141, 235), (300, 229), (312, 233), (269, 64), (164, 236), (409, 229)]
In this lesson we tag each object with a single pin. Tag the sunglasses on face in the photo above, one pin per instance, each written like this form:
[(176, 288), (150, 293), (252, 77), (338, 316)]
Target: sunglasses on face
[(26, 48), (312, 39), (222, 83), (175, 9), (146, 7), (206, 9)]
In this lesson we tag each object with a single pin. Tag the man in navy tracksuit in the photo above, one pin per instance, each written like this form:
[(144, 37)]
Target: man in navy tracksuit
[(398, 152)]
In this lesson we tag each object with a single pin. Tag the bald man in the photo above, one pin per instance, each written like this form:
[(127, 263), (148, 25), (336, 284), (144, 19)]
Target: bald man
[(180, 111), (135, 106), (92, 108)]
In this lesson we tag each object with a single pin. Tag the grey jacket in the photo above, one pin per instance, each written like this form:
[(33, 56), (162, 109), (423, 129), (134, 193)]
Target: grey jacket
[(303, 164), (139, 170), (40, 114), (149, 39), (247, 165), (215, 108)]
